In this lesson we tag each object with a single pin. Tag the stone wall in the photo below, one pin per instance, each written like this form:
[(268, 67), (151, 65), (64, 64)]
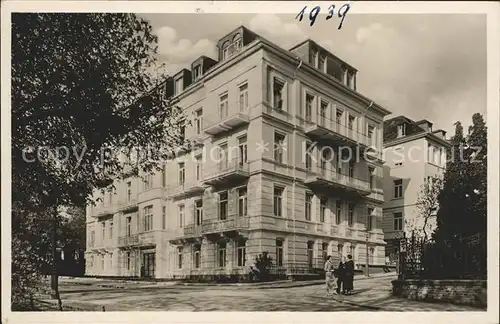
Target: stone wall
[(462, 292)]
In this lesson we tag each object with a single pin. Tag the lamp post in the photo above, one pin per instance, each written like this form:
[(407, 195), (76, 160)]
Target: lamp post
[(367, 270)]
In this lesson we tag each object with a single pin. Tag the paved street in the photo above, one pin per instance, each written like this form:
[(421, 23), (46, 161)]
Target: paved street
[(370, 295)]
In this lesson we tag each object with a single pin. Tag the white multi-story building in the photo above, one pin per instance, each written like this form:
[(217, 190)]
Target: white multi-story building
[(262, 107), (413, 153)]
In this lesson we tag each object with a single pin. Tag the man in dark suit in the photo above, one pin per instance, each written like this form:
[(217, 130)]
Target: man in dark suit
[(349, 275), (340, 274)]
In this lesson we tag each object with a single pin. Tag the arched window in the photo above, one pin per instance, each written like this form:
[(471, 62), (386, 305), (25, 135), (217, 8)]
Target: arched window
[(237, 41), (225, 47)]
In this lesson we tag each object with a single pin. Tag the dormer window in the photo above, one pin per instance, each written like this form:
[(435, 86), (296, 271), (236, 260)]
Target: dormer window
[(178, 86), (401, 130), (229, 49), (314, 57), (196, 72), (321, 63)]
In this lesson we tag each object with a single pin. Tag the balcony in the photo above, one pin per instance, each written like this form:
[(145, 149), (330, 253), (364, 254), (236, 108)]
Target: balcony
[(227, 123), (349, 233), (233, 224), (187, 189), (331, 180), (213, 229), (128, 241), (137, 239), (103, 210), (128, 205), (325, 129), (227, 171)]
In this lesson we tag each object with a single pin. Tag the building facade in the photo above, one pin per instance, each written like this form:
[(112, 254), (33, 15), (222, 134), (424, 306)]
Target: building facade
[(266, 175), (413, 153)]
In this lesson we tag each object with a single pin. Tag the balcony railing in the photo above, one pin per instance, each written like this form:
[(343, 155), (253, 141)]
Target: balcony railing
[(187, 188), (103, 210), (225, 171), (128, 240), (233, 223), (228, 121), (329, 178), (128, 204), (320, 126)]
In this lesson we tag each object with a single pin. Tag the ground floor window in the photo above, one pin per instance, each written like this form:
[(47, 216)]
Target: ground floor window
[(241, 253), (148, 268), (128, 260), (197, 256), (279, 252), (221, 254), (180, 251)]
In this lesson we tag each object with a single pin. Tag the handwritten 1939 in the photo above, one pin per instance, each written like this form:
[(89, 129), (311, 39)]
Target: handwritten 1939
[(342, 12)]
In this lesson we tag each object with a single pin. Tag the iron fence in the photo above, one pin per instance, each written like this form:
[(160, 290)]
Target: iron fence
[(460, 257)]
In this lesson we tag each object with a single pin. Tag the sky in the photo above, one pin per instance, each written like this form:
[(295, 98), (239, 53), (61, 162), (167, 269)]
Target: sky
[(423, 66)]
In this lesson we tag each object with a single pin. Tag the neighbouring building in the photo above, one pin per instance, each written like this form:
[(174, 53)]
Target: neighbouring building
[(265, 177), (413, 153)]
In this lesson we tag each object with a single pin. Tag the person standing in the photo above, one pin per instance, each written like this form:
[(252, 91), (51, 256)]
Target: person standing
[(341, 276), (329, 277), (349, 275)]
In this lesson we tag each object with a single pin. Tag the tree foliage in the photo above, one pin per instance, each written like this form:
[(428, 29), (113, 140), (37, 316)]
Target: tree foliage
[(423, 224), (462, 202), (82, 94)]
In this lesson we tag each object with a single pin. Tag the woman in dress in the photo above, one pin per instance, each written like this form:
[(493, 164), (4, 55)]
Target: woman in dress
[(329, 277), (349, 275)]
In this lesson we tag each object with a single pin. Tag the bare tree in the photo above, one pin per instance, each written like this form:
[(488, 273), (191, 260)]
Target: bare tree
[(424, 222)]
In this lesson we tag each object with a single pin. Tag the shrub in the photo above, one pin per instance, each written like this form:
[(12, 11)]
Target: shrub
[(262, 267)]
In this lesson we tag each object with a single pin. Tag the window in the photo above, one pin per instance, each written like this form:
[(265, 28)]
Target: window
[(164, 217), (181, 216), (198, 168), (182, 173), (129, 191), (180, 252), (103, 227), (111, 229), (164, 176), (323, 113), (371, 173), (223, 205), (242, 150), (221, 254), (402, 130), (196, 72), (310, 253), (352, 119), (371, 255), (314, 56), (308, 206), (92, 238), (308, 157), (309, 106), (148, 218), (321, 63), (324, 251), (371, 135), (237, 42), (242, 202), (339, 116), (197, 256), (369, 220), (128, 260), (350, 215), (398, 188), (223, 106), (148, 181), (278, 201), (178, 86), (102, 262), (223, 156), (322, 209), (279, 252), (241, 253), (198, 122), (278, 87), (199, 212), (349, 80), (243, 97), (279, 142), (225, 51), (128, 222), (340, 249), (351, 168), (398, 221), (338, 213)]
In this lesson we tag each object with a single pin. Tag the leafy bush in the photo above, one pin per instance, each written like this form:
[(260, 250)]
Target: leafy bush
[(262, 268)]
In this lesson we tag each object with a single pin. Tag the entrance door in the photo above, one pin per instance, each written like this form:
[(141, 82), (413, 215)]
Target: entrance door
[(148, 261)]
